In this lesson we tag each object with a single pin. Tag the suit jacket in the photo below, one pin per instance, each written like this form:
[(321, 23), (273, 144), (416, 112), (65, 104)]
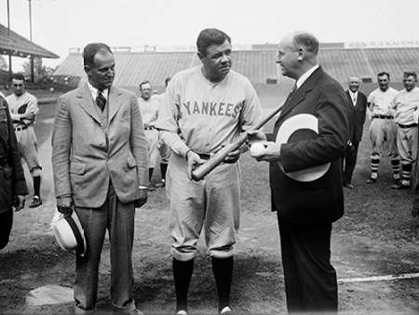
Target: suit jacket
[(357, 118), (319, 201), (85, 159)]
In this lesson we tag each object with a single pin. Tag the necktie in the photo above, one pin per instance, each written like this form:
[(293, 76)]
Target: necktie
[(294, 88), (100, 100), (354, 99)]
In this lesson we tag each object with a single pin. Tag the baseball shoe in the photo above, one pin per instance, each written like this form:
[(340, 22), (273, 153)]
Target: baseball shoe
[(226, 310), (181, 312), (399, 185), (371, 180), (36, 202), (151, 187), (348, 185), (160, 184)]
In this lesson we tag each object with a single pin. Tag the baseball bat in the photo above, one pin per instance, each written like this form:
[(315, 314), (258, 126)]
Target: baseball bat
[(202, 170)]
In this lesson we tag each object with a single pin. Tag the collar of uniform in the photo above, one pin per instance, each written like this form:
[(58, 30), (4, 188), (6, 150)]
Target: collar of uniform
[(305, 76)]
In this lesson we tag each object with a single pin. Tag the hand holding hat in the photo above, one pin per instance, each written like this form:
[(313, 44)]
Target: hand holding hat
[(65, 205)]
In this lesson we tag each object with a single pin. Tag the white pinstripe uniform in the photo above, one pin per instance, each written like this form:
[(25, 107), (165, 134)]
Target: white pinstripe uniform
[(25, 133), (204, 116)]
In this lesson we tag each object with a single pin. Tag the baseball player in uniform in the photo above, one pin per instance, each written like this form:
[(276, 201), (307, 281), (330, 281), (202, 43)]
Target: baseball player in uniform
[(383, 128), (405, 104), (149, 107), (205, 108), (23, 108), (163, 148)]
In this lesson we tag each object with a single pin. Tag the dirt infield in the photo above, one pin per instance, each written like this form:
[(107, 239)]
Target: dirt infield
[(377, 237)]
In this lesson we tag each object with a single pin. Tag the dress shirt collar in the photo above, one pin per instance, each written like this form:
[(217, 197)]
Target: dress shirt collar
[(305, 76), (94, 91)]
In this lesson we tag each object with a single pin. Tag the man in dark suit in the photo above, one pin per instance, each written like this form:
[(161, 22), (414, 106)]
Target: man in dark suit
[(306, 209), (357, 120), (100, 163)]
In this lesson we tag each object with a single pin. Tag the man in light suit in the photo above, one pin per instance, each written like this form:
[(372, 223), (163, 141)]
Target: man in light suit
[(100, 163), (306, 209), (357, 120)]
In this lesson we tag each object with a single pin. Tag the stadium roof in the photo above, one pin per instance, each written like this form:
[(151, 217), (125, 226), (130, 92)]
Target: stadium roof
[(258, 65), (19, 46)]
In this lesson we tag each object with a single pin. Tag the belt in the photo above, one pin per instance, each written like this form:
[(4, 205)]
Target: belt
[(21, 128), (407, 126), (148, 128), (205, 156), (382, 116)]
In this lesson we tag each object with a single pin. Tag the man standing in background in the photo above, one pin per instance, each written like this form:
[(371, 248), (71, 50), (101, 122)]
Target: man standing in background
[(405, 105), (163, 147), (149, 108), (23, 108), (383, 128), (357, 120)]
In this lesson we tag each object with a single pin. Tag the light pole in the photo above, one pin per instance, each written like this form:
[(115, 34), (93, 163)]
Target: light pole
[(30, 37)]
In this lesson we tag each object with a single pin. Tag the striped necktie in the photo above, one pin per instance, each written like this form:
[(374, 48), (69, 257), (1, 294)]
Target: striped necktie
[(100, 100)]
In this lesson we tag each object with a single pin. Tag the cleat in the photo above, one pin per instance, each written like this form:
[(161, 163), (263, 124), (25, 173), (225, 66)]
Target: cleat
[(371, 180), (226, 310), (160, 184)]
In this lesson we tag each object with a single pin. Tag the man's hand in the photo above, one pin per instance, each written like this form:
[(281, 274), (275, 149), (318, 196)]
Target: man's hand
[(28, 115), (232, 156), (19, 202), (143, 198), (255, 136), (65, 205), (271, 153), (193, 161)]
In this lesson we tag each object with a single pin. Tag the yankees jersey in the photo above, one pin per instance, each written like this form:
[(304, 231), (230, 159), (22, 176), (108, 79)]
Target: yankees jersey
[(26, 103), (380, 102), (405, 104), (207, 115), (149, 109)]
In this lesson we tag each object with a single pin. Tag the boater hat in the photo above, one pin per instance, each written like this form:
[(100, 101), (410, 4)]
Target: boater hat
[(69, 234), (297, 128)]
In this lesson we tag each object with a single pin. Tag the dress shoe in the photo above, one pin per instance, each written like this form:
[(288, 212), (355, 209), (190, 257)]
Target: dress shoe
[(348, 185), (36, 202), (160, 184), (371, 180)]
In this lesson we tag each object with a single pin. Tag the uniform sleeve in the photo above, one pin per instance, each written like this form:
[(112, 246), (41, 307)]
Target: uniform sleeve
[(32, 108), (252, 112), (168, 120)]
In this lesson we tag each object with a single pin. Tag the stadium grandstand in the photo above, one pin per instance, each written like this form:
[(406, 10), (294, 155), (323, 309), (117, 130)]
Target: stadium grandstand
[(257, 62)]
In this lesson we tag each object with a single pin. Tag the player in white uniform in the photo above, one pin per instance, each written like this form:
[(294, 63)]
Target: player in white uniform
[(383, 128), (23, 108), (406, 107), (149, 107), (205, 108), (163, 148)]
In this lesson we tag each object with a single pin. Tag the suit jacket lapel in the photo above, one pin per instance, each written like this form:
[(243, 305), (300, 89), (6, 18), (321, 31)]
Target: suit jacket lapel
[(114, 102), (300, 94), (86, 102)]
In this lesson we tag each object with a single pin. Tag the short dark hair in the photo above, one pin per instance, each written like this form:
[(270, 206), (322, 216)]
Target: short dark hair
[(208, 37), (90, 51), (306, 40), (18, 76), (144, 82), (410, 73), (382, 73)]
